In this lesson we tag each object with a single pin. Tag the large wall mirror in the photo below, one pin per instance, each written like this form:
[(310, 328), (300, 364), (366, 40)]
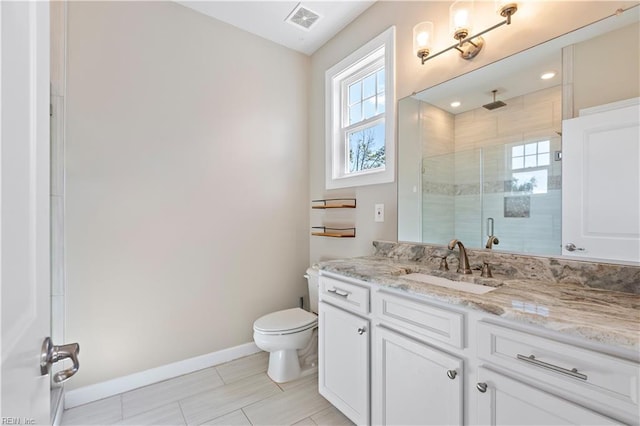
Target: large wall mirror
[(481, 155)]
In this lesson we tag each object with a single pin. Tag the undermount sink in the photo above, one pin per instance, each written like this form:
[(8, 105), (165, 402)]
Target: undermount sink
[(454, 285)]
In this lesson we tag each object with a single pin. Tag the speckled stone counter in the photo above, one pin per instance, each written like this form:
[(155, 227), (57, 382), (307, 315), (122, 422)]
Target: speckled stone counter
[(557, 299)]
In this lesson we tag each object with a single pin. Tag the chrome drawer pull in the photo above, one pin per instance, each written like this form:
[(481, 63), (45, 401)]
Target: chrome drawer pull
[(338, 292), (573, 372)]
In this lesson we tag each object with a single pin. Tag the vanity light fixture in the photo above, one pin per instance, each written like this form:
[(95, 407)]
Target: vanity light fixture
[(461, 21)]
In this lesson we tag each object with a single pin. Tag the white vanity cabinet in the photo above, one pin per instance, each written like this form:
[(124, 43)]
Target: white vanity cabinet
[(344, 348), (415, 382), (506, 400), (387, 357), (530, 377)]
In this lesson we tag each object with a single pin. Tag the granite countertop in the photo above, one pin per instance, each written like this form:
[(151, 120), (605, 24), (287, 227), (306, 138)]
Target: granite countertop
[(604, 316)]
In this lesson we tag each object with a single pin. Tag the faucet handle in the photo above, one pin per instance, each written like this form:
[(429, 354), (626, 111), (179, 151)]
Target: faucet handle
[(444, 266), (486, 271)]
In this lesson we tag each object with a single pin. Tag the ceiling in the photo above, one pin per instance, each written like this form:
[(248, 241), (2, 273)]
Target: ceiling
[(268, 19)]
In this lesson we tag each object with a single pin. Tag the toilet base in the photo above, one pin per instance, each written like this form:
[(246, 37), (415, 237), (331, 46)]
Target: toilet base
[(288, 365), (284, 365)]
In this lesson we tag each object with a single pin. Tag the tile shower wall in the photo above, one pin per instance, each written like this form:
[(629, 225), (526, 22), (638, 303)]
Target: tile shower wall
[(478, 150), (438, 173)]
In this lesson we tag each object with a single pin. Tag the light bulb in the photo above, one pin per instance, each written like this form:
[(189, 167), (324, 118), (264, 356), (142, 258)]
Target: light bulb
[(461, 17), (422, 38)]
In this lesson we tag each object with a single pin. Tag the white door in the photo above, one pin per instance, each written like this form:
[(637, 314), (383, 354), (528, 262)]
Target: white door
[(506, 401), (343, 352), (414, 384), (24, 211), (601, 185)]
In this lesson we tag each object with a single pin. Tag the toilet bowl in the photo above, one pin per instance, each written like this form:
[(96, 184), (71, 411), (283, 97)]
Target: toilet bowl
[(288, 335)]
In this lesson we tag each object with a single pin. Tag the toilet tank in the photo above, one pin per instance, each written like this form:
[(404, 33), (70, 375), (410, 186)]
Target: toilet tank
[(313, 282)]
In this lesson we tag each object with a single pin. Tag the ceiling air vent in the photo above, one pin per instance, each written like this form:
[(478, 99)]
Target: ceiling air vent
[(302, 17)]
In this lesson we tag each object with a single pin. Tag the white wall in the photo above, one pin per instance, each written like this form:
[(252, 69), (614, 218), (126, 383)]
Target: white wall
[(187, 185), (534, 23)]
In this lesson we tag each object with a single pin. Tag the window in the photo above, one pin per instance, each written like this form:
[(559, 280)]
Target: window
[(360, 116), (530, 167)]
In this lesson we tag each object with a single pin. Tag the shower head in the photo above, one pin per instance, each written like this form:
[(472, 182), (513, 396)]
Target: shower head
[(495, 104)]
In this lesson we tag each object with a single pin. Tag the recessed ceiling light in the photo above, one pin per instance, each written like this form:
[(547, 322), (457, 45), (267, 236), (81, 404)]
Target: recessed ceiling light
[(455, 104), (548, 75)]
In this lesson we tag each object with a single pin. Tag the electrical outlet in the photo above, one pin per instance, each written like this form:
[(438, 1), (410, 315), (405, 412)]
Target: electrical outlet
[(379, 213)]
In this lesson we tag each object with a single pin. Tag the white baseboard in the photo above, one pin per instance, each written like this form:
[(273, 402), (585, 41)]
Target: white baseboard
[(119, 385)]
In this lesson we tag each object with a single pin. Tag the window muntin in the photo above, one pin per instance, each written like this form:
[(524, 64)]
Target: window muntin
[(365, 97), (530, 167)]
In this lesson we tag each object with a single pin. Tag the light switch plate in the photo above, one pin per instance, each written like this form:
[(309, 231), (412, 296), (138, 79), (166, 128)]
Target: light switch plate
[(379, 213)]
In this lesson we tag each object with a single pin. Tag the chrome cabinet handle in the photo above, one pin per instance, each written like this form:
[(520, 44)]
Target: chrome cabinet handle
[(573, 372), (482, 387), (572, 247), (361, 330), (452, 374), (338, 292), (52, 353)]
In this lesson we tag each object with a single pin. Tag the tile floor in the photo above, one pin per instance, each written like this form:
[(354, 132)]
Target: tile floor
[(236, 393)]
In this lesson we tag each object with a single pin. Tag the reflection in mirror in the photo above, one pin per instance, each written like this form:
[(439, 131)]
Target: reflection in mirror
[(480, 155)]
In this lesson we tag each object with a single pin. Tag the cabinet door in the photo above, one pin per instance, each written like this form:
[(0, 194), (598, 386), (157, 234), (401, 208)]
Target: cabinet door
[(600, 195), (507, 401), (343, 346), (414, 384)]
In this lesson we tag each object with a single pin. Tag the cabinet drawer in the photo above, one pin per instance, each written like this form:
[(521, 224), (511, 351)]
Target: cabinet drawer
[(604, 379), (419, 319), (344, 294)]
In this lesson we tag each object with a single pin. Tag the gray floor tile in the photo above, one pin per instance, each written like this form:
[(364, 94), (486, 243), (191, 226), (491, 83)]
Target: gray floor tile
[(244, 367), (307, 421), (228, 398), (170, 414), (331, 417), (159, 394), (302, 381), (103, 412), (288, 407), (236, 418)]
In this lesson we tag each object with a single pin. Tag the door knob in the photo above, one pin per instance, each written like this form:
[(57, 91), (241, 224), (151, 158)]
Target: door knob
[(572, 247), (52, 353), (361, 330)]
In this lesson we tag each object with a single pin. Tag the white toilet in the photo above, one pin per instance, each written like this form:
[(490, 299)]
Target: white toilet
[(290, 336)]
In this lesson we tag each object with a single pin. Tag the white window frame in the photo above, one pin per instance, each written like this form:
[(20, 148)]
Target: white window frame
[(381, 47)]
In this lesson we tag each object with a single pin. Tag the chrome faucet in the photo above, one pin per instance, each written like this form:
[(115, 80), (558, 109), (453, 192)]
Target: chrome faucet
[(491, 241), (463, 260)]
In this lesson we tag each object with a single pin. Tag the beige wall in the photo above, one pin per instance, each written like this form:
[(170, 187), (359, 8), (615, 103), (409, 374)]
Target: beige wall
[(601, 74), (187, 184), (534, 23)]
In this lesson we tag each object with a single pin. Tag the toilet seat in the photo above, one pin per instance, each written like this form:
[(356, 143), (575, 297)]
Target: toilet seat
[(287, 321)]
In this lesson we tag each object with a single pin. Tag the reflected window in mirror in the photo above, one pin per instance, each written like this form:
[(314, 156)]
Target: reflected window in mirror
[(530, 167)]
